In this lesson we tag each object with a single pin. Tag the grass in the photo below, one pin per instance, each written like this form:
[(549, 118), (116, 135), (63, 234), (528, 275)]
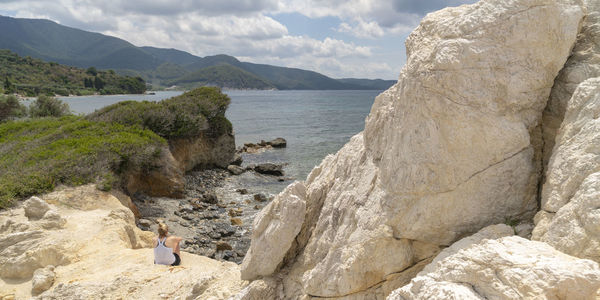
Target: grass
[(38, 154)]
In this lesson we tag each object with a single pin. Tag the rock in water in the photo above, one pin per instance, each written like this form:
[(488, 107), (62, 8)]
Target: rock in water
[(235, 170), (278, 143), (269, 169), (569, 219), (506, 268), (453, 147)]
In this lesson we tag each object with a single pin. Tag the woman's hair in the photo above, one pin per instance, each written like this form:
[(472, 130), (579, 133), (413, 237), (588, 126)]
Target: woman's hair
[(163, 229)]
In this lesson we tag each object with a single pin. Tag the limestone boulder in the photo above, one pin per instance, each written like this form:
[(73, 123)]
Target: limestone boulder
[(569, 219), (453, 147), (42, 280), (35, 208), (274, 230), (584, 63), (506, 268)]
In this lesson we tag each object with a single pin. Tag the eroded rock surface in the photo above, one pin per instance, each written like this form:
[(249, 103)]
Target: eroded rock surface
[(453, 147), (96, 249), (505, 268), (570, 219)]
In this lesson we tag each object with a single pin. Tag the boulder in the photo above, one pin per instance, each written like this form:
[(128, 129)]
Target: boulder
[(269, 169), (52, 220), (260, 197), (42, 280), (237, 160), (235, 170), (451, 148), (278, 143), (274, 230), (505, 268), (222, 245), (584, 63), (569, 220), (35, 208)]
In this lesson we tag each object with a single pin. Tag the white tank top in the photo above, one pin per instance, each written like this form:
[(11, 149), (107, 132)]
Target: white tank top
[(163, 255)]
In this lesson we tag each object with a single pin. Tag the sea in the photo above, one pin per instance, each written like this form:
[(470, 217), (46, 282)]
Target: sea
[(314, 123)]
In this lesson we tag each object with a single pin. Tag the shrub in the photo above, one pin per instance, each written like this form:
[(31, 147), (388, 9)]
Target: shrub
[(46, 106), (198, 111), (38, 154), (11, 108)]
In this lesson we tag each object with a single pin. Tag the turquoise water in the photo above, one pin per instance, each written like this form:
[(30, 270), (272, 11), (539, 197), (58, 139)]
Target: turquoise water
[(314, 123)]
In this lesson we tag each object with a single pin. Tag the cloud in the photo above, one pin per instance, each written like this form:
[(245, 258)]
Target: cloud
[(362, 29)]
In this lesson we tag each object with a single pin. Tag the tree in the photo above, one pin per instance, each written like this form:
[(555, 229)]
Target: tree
[(98, 83), (8, 86), (10, 108), (92, 71), (46, 106), (88, 83)]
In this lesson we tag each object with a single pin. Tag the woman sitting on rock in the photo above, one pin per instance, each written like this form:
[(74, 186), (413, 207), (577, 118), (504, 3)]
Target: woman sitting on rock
[(166, 248)]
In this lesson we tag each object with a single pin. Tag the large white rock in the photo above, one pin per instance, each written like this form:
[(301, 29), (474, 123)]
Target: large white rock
[(583, 63), (507, 268), (274, 230), (570, 219), (446, 151)]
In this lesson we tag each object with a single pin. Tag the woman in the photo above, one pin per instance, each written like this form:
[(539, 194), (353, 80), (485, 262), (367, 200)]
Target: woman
[(166, 248)]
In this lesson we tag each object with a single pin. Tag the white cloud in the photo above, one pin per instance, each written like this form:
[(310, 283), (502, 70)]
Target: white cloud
[(362, 29)]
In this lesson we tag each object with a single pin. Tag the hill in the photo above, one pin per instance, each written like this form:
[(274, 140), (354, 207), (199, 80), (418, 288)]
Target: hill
[(31, 77), (50, 41)]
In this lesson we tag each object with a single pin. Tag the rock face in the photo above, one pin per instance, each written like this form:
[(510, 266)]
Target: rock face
[(583, 63), (506, 268), (453, 147), (569, 219), (203, 151), (98, 250), (166, 180)]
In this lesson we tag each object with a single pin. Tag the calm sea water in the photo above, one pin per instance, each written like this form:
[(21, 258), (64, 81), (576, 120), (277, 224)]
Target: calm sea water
[(314, 123)]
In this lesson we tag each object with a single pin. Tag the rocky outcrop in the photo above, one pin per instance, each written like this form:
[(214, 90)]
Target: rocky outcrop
[(453, 147), (203, 151), (98, 250), (569, 219), (583, 63), (505, 268), (165, 179)]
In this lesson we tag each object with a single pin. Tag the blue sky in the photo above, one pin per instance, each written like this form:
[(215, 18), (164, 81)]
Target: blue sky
[(339, 38)]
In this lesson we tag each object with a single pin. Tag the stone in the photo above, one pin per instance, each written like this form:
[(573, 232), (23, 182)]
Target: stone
[(224, 229), (274, 230), (584, 63), (569, 220), (260, 197), (278, 143), (235, 170), (145, 223), (210, 198), (505, 268), (42, 280), (451, 148), (269, 169), (222, 245), (236, 222), (237, 160), (35, 208), (242, 191), (52, 220)]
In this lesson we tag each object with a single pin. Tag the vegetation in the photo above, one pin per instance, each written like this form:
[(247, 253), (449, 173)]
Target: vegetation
[(11, 108), (46, 106), (32, 77), (223, 76), (190, 114), (38, 154)]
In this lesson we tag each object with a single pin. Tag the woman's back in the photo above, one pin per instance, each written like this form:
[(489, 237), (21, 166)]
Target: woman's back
[(163, 255)]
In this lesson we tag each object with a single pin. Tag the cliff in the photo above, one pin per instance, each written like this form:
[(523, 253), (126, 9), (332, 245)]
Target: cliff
[(456, 145), (78, 243)]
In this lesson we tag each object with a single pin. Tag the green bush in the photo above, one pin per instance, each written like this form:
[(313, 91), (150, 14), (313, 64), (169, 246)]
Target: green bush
[(11, 108), (38, 154), (190, 114), (46, 106)]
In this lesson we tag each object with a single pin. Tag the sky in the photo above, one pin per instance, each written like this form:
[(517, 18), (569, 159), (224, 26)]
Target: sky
[(339, 38)]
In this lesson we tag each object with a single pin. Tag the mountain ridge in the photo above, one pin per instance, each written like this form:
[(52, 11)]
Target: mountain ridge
[(50, 41)]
